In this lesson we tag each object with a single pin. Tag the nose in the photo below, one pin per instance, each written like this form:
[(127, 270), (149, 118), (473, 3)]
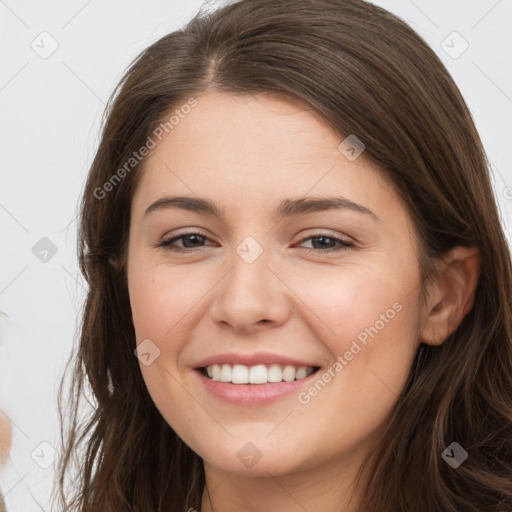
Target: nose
[(251, 296)]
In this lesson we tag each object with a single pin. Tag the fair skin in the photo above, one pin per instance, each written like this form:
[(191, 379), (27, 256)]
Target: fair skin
[(247, 154)]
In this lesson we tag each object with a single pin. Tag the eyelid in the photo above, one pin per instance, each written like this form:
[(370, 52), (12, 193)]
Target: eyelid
[(167, 241), (318, 232), (186, 231)]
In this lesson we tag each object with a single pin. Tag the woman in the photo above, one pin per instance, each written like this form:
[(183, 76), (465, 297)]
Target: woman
[(370, 369)]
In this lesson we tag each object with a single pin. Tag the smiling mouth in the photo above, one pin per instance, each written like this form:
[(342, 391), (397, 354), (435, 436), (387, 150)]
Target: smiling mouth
[(258, 374)]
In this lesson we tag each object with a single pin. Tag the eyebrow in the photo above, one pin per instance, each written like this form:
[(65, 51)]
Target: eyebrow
[(287, 208)]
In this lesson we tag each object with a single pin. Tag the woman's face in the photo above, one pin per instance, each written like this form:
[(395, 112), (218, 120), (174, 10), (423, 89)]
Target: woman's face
[(264, 295)]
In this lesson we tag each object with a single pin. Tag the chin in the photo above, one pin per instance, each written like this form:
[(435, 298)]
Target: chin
[(249, 460)]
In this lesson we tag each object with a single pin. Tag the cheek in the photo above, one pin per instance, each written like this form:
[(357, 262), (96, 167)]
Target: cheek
[(359, 301), (372, 349), (164, 299), (367, 318), (161, 297)]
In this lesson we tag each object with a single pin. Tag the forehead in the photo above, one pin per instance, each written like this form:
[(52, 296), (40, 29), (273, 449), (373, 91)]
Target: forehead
[(258, 127), (241, 148)]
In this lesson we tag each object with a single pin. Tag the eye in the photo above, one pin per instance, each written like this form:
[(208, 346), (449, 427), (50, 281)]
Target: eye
[(326, 239), (193, 241)]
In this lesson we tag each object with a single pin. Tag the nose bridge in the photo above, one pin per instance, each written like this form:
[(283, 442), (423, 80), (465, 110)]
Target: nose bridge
[(250, 291), (250, 250), (250, 276)]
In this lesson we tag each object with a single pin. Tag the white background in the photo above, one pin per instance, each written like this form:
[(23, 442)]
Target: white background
[(51, 111)]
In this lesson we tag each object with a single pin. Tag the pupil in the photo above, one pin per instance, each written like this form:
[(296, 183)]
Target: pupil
[(324, 238), (187, 238)]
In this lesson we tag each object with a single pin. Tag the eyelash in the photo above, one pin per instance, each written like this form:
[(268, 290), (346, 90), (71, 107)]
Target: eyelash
[(166, 244)]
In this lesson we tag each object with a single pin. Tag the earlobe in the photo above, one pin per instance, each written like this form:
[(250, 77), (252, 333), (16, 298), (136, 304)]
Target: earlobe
[(453, 294)]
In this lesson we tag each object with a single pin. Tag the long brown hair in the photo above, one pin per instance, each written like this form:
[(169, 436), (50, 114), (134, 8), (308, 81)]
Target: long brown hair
[(368, 74)]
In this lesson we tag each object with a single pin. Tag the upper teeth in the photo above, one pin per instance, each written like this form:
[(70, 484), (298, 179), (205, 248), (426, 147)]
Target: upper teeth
[(259, 374)]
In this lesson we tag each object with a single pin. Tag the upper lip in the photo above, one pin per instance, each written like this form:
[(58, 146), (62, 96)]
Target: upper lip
[(251, 360)]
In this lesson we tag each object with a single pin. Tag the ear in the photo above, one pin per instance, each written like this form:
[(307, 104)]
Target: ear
[(452, 296)]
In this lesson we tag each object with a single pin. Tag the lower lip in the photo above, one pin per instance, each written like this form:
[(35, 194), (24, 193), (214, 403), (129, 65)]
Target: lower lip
[(253, 394)]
